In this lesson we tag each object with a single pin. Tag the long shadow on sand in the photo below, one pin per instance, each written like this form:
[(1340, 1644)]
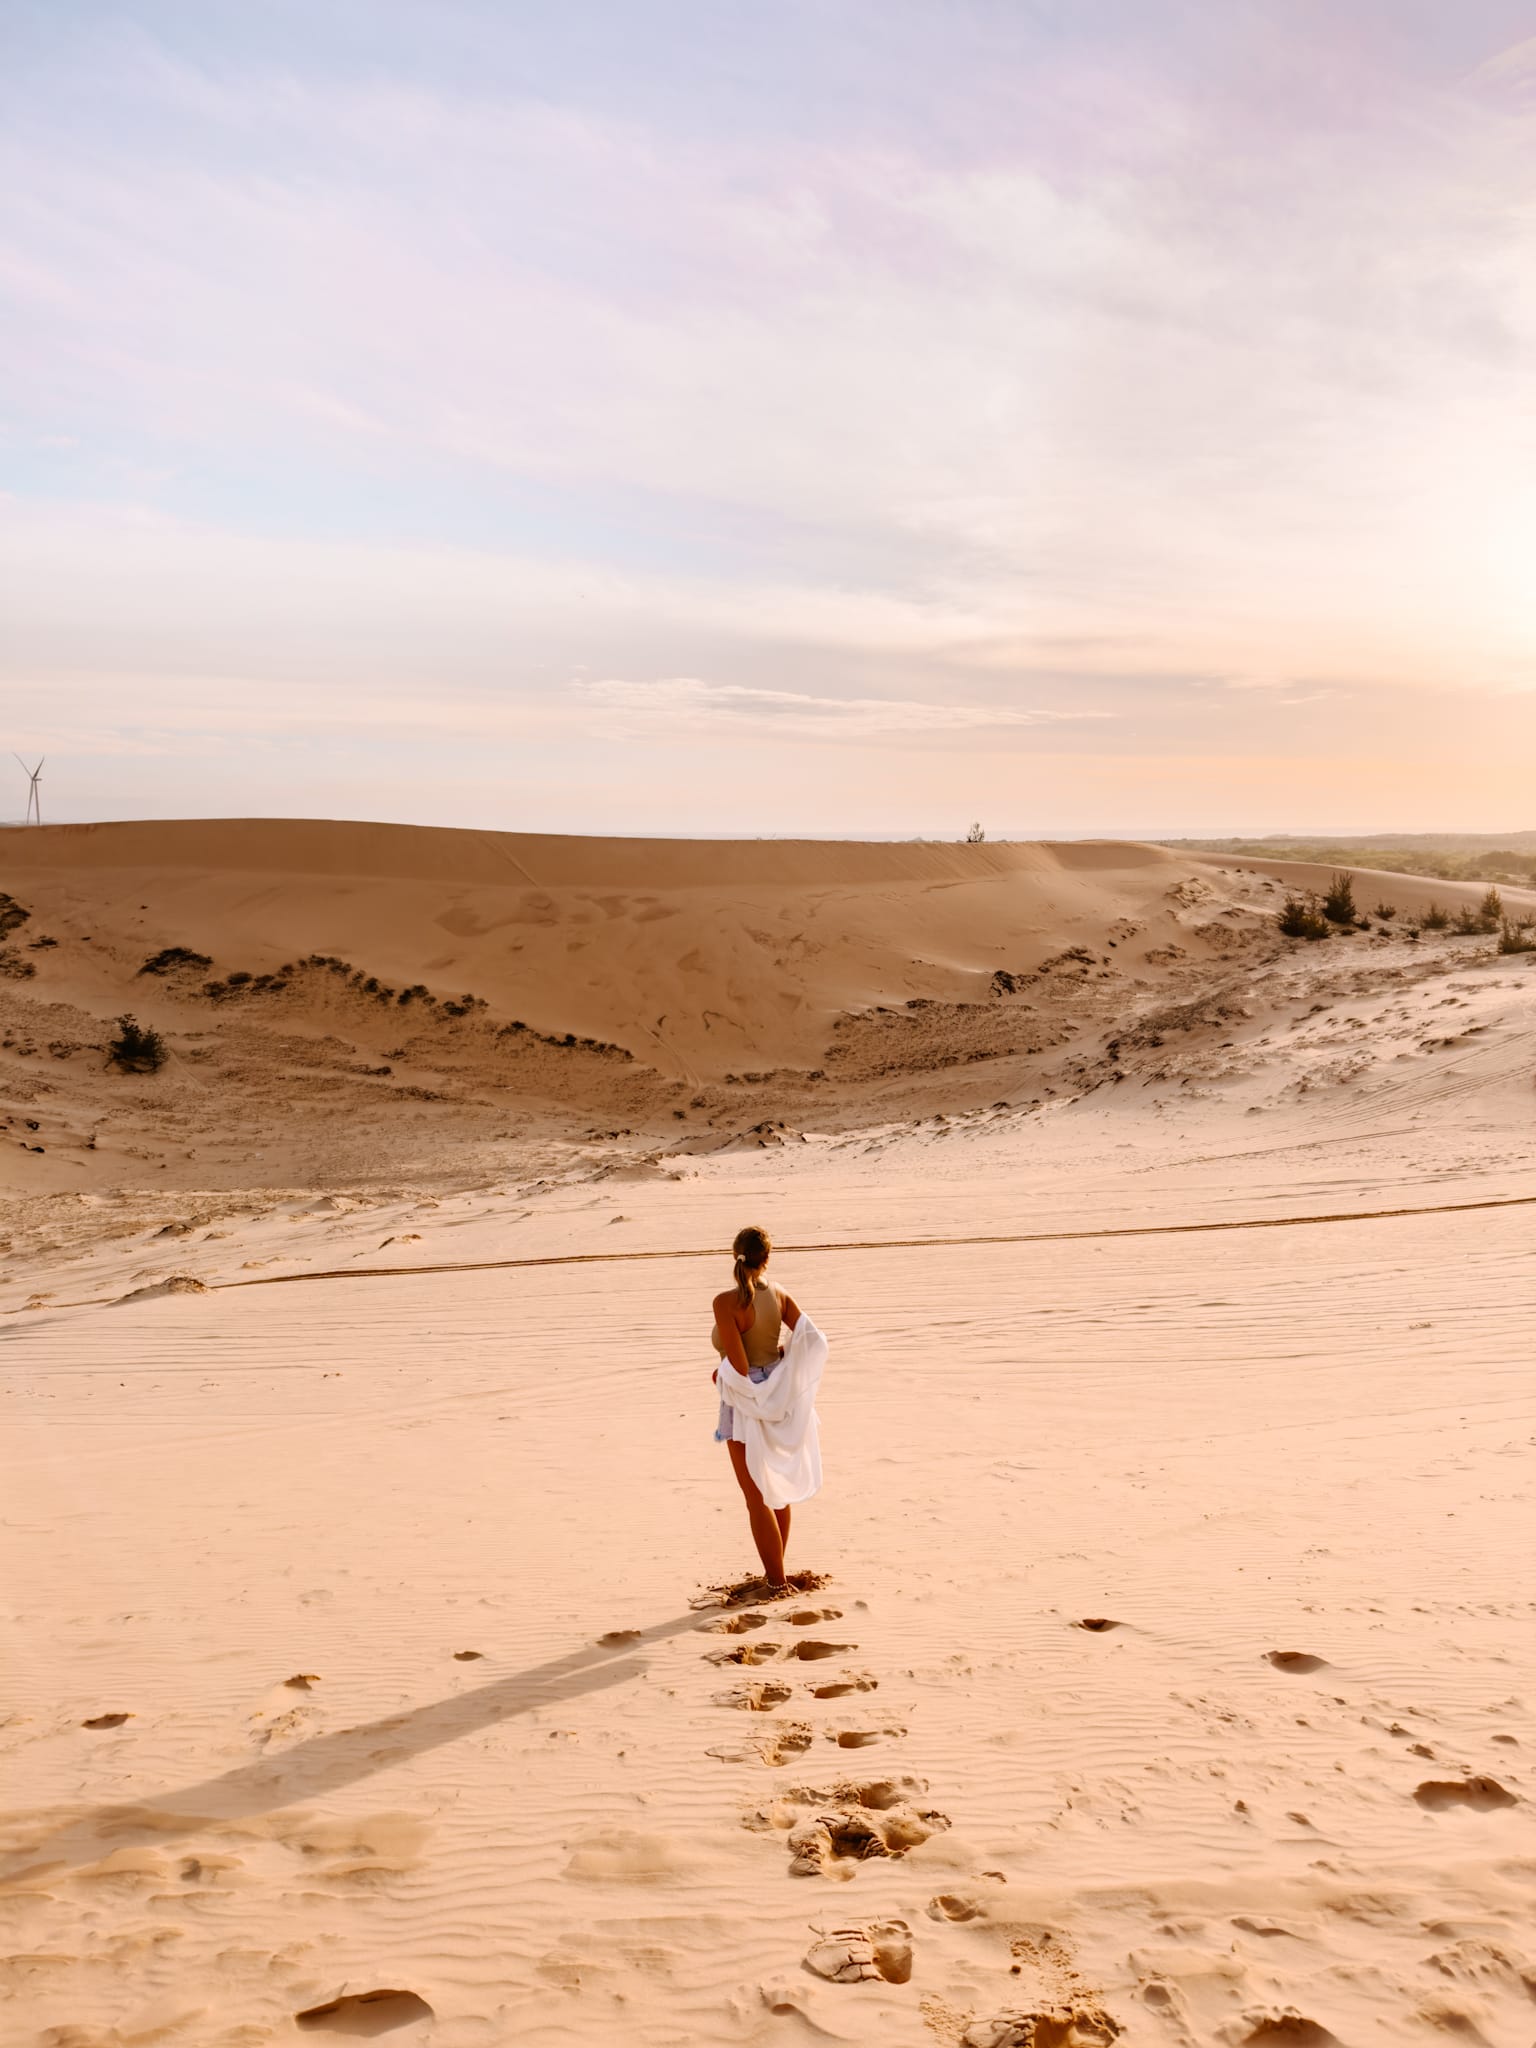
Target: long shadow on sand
[(326, 1762)]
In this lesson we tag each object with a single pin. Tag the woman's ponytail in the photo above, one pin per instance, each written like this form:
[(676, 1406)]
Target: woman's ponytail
[(750, 1250)]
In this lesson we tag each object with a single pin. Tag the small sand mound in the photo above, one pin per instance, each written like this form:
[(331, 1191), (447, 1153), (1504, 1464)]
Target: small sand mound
[(179, 1283), (1483, 1795), (365, 2013)]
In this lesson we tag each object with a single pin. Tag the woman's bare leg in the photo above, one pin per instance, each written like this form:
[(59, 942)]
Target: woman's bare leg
[(767, 1532), (781, 1516)]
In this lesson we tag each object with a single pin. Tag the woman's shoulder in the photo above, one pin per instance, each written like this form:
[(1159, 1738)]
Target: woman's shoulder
[(729, 1299)]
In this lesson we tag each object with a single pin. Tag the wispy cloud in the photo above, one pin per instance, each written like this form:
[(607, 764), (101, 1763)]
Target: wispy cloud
[(679, 703)]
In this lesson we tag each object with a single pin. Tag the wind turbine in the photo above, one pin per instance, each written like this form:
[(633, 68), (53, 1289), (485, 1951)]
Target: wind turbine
[(34, 799)]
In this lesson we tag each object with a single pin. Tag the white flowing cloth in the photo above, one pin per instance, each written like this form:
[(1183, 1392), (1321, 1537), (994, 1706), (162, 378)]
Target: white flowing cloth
[(777, 1418)]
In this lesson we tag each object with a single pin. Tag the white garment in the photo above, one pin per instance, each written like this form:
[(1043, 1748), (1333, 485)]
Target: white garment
[(776, 1418)]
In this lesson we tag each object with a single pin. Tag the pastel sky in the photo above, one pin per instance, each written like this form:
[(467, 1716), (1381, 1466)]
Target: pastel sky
[(826, 416)]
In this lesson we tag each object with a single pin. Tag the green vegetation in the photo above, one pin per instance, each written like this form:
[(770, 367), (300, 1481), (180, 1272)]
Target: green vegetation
[(12, 915), (1339, 902), (1448, 857), (1302, 917), (169, 958), (137, 1049)]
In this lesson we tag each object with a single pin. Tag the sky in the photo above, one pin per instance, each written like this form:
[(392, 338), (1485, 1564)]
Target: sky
[(832, 418)]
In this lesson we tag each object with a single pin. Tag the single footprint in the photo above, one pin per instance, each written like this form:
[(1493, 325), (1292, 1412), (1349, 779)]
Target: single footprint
[(761, 1696), (851, 1681), (1482, 1794), (365, 2012), (301, 1681), (1097, 1624), (778, 1742), (745, 1653), (792, 1739), (468, 1656), (809, 1649), (1058, 2025), (875, 1793), (856, 1955), (106, 1720), (854, 1834), (1295, 1660), (861, 1738), (616, 1638), (806, 1617), (738, 1624), (956, 1906)]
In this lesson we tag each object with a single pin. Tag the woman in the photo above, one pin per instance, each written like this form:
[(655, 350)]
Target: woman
[(767, 1398)]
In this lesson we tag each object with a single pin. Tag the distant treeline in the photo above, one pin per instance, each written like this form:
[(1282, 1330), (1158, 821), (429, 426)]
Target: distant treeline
[(1449, 857)]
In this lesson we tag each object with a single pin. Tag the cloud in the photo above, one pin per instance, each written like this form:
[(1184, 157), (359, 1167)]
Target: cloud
[(680, 703)]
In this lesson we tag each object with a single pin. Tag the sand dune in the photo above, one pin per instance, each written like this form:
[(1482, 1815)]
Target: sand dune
[(1171, 1678), (349, 1002), (690, 955)]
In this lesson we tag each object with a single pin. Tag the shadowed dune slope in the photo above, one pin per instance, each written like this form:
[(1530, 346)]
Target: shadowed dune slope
[(693, 955)]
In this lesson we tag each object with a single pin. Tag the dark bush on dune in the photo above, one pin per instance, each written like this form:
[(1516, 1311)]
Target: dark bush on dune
[(1435, 919), (1386, 911), (1515, 939), (1490, 912), (169, 958), (1339, 902), (137, 1049), (1301, 917)]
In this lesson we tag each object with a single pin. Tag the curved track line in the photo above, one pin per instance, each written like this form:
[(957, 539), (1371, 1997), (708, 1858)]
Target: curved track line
[(880, 1244), (852, 1244)]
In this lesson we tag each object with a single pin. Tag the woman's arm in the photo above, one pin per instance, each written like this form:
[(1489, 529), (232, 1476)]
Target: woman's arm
[(732, 1351), (788, 1310)]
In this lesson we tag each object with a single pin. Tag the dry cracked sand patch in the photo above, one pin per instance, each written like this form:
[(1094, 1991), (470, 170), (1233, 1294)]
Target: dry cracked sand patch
[(1171, 1677)]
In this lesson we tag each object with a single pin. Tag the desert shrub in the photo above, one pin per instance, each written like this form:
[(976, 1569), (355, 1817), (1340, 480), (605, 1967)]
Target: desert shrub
[(1490, 912), (1469, 922), (137, 1049), (1515, 939), (172, 957), (1386, 911), (1339, 901), (1436, 919), (974, 835), (12, 916), (1300, 917)]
